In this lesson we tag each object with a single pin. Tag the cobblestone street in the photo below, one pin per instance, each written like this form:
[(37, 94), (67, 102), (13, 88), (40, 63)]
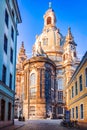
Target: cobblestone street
[(38, 125)]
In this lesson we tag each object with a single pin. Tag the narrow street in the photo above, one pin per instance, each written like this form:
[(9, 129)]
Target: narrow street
[(39, 125), (43, 125)]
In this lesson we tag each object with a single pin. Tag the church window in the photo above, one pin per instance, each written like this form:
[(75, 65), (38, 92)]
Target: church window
[(74, 53), (60, 71), (48, 85), (60, 83), (60, 96), (45, 41), (33, 79), (32, 92), (48, 20), (32, 111)]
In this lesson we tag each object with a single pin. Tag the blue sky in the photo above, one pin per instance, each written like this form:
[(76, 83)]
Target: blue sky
[(69, 13)]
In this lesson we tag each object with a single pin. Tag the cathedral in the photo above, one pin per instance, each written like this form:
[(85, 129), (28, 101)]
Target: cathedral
[(41, 80)]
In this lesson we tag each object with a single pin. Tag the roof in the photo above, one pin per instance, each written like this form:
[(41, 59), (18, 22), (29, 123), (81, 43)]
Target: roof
[(84, 59)]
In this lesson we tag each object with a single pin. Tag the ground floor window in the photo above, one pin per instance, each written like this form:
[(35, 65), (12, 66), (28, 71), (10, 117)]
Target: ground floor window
[(60, 96), (81, 111), (9, 111), (32, 111), (72, 112), (76, 112), (60, 110), (2, 110)]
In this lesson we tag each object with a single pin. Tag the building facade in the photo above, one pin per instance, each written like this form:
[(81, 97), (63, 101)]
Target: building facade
[(45, 75), (76, 93), (9, 19)]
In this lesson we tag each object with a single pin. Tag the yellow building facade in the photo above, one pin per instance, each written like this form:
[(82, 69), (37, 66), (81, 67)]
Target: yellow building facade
[(76, 93)]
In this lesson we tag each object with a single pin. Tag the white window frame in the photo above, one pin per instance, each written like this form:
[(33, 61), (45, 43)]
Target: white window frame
[(76, 112), (80, 111), (60, 83)]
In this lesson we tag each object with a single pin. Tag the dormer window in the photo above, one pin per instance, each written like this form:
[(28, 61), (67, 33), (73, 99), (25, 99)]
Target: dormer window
[(48, 20)]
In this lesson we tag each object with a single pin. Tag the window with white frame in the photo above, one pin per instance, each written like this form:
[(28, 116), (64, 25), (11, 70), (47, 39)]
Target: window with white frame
[(32, 92), (60, 84), (76, 112), (60, 96), (76, 88), (33, 79), (72, 112), (80, 82), (86, 77), (81, 111), (72, 91), (60, 110)]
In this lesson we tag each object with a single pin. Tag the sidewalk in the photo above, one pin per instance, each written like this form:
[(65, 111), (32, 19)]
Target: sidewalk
[(17, 124)]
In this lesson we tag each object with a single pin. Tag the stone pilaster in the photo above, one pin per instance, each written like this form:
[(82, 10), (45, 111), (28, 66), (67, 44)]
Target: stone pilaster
[(38, 82), (25, 85), (28, 88), (42, 84)]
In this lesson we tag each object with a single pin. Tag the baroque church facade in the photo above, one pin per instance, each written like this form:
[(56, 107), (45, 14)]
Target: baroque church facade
[(42, 79)]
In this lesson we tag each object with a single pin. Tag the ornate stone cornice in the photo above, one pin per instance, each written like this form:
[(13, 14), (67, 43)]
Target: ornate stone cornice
[(39, 59)]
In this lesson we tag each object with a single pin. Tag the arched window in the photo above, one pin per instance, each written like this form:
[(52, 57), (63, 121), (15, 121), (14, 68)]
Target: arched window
[(33, 79), (74, 53), (48, 20), (60, 83), (48, 84)]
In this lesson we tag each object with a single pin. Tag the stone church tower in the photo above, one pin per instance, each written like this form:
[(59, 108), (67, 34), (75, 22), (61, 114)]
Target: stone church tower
[(46, 74)]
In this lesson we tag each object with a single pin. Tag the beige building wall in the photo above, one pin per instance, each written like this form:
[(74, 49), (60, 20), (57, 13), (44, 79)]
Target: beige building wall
[(81, 97)]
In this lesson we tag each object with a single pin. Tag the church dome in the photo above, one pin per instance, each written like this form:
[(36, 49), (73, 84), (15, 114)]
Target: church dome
[(51, 39)]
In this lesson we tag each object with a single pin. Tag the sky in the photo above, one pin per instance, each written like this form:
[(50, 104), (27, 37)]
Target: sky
[(69, 13)]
